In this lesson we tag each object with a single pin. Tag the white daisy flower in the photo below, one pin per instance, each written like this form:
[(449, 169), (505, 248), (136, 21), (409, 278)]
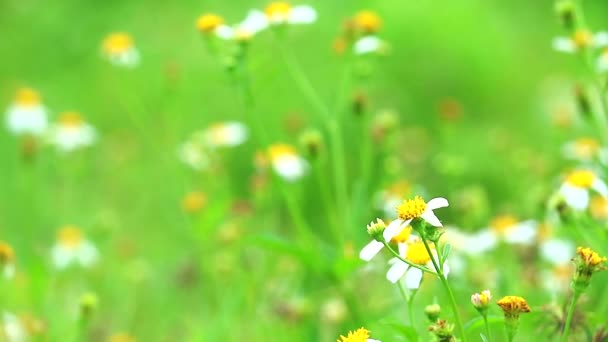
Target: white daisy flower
[(7, 260), (225, 134), (586, 150), (416, 253), (71, 132), (369, 44), (120, 50), (286, 162), (26, 115), (254, 23), (211, 23), (283, 13), (577, 186), (374, 247), (557, 251), (580, 40), (502, 228), (12, 328), (194, 154), (413, 209), (71, 247)]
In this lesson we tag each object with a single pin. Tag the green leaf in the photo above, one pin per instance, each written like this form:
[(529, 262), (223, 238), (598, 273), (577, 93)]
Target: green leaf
[(477, 322), (445, 252), (483, 338)]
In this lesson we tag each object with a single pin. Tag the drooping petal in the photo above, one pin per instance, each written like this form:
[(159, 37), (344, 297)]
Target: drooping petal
[(522, 233), (599, 186), (396, 271), (255, 22), (600, 39), (370, 250), (302, 14), (557, 251), (436, 203), (394, 228), (563, 44), (575, 197), (429, 216), (413, 277), (367, 45)]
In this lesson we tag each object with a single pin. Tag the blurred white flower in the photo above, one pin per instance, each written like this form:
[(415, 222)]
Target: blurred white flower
[(120, 50), (416, 253), (581, 39), (71, 247), (12, 328), (225, 134), (211, 23), (369, 44), (286, 162), (577, 187), (585, 150), (194, 154), (26, 115), (557, 251), (281, 12), (502, 228), (254, 23), (71, 132)]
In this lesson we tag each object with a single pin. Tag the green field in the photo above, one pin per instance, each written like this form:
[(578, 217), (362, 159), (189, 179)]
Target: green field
[(296, 143)]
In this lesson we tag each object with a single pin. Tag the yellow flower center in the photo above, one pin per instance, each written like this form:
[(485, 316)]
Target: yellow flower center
[(27, 97), (412, 208), (582, 38), (586, 147), (513, 305), (502, 224), (359, 335), (70, 119), (368, 21), (417, 254), (278, 10), (117, 43), (589, 257), (121, 337), (7, 255), (70, 237), (581, 179), (207, 23), (194, 201), (403, 236), (598, 207), (277, 151)]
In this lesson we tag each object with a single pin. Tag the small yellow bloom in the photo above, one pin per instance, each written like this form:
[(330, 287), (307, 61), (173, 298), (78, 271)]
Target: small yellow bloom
[(411, 208), (278, 9), (207, 23), (513, 305), (117, 43), (27, 97), (582, 38), (581, 179), (589, 257), (7, 255), (503, 224), (481, 300), (194, 201), (359, 335), (403, 236), (71, 119), (367, 21)]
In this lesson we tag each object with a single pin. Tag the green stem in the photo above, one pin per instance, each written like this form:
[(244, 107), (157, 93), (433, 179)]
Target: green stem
[(448, 290), (485, 322), (422, 268), (570, 315)]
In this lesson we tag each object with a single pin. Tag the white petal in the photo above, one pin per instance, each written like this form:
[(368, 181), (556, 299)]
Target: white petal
[(26, 119), (557, 251), (575, 197), (370, 250), (602, 63), (599, 186), (394, 228), (290, 167), (563, 44), (402, 247), (429, 216), (522, 233), (87, 254), (62, 257), (225, 32), (302, 14), (368, 44), (13, 329), (481, 242), (396, 271), (255, 22), (437, 203), (413, 277), (600, 39)]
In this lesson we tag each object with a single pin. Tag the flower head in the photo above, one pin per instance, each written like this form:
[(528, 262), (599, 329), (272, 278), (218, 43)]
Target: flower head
[(71, 132), (588, 261), (72, 248), (481, 301), (416, 253), (584, 149), (359, 335), (26, 115), (580, 40), (225, 134), (280, 12), (120, 50), (7, 260), (286, 162), (415, 209), (432, 312), (577, 186), (208, 23), (512, 306), (367, 22), (375, 229)]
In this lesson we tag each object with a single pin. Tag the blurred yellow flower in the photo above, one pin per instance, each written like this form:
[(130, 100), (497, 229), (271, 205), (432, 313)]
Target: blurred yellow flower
[(7, 260), (282, 12), (577, 186), (208, 23), (359, 335), (26, 115), (121, 337), (194, 201), (120, 50), (71, 247), (367, 21), (581, 39), (513, 305)]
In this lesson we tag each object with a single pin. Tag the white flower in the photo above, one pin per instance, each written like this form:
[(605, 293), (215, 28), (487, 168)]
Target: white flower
[(12, 328), (581, 39), (120, 50), (502, 228), (585, 150), (72, 248), (254, 22), (71, 132), (374, 247), (225, 134), (193, 154), (286, 162), (557, 251), (369, 44), (281, 12), (577, 186), (26, 115), (416, 253), (412, 209)]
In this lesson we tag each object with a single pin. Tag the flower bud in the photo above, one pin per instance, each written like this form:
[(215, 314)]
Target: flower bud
[(88, 305), (312, 141), (443, 331), (481, 301), (375, 229), (587, 262), (566, 11), (512, 307), (432, 312)]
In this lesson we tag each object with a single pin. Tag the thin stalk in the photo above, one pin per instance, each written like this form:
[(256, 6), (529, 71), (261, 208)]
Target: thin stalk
[(485, 322), (570, 315), (448, 290), (422, 268)]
